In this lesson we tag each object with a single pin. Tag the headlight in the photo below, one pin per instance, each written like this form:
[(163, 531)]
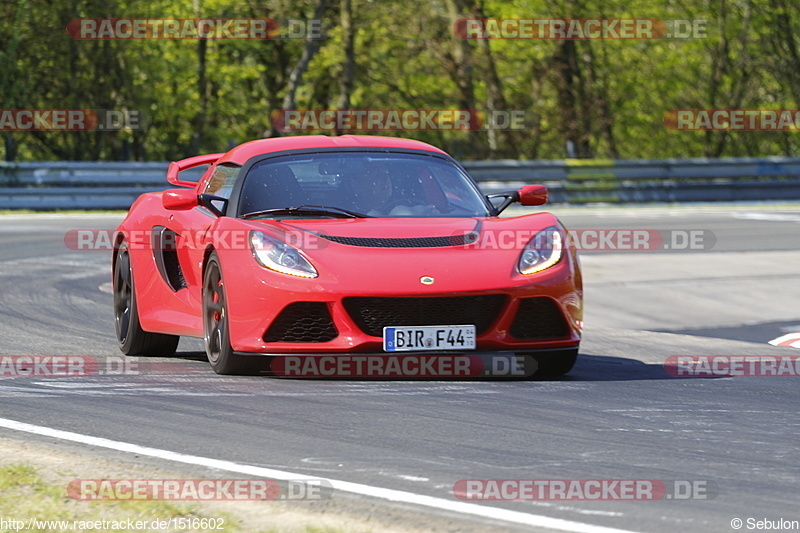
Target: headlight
[(543, 251), (279, 256)]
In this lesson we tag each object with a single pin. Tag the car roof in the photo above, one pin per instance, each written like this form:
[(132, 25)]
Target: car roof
[(242, 153)]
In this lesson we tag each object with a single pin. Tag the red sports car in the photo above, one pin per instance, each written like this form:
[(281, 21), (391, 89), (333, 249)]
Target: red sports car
[(343, 246)]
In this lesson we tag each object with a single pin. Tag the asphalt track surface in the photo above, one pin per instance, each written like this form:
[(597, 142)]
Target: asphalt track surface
[(617, 415)]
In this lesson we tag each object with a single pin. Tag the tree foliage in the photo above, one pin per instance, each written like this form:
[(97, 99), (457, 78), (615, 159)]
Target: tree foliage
[(592, 98)]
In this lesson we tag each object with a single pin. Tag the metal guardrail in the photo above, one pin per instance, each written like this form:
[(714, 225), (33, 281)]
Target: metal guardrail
[(80, 185), (636, 181), (115, 185)]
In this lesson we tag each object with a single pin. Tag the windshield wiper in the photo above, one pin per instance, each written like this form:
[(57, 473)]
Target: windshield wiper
[(308, 210)]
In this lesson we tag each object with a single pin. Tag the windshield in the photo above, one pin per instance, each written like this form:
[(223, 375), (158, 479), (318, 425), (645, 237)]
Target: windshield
[(367, 184)]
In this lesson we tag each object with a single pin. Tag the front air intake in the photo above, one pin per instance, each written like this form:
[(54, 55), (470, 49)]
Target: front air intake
[(302, 322), (539, 318)]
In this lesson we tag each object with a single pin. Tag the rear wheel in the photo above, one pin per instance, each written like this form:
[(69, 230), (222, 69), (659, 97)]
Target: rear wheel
[(216, 333), (132, 339)]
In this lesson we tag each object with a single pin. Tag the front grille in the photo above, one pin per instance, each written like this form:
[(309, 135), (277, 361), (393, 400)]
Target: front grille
[(539, 318), (372, 314), (407, 242), (302, 322)]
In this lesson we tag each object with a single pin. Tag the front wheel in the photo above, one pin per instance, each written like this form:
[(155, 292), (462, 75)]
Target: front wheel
[(132, 339), (216, 333)]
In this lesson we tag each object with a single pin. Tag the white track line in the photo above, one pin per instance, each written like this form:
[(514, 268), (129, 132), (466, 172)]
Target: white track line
[(344, 486), (790, 340)]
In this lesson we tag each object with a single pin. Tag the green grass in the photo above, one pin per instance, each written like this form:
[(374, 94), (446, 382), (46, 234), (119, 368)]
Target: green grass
[(24, 495), (596, 198)]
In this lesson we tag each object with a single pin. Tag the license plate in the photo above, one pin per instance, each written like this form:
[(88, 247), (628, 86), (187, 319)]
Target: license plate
[(428, 338)]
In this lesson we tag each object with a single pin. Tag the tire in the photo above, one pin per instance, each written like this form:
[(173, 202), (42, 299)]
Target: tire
[(555, 363), (131, 338), (216, 333)]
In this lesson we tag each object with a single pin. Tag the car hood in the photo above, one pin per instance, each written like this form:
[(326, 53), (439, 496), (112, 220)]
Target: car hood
[(411, 232), (387, 228)]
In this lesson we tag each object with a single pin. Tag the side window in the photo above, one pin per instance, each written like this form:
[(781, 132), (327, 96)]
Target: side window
[(221, 182)]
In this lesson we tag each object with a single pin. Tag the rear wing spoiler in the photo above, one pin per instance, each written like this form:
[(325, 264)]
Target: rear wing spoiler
[(178, 166)]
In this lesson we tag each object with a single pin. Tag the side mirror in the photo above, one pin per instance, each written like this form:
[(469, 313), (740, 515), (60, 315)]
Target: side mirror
[(526, 195), (179, 199), (533, 195), (207, 201)]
